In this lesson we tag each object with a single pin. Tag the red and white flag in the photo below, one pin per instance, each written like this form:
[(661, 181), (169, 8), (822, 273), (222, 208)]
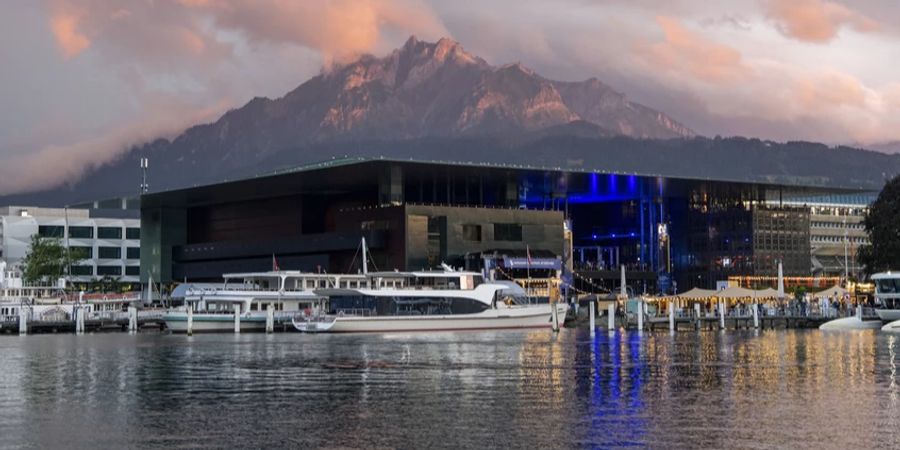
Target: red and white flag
[(275, 267)]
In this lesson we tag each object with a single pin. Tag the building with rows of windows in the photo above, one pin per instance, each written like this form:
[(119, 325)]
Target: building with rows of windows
[(110, 246)]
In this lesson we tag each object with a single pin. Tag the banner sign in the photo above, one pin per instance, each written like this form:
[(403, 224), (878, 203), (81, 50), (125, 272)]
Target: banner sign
[(536, 263)]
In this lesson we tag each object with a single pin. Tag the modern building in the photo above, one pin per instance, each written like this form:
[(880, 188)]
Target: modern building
[(836, 232), (672, 231), (110, 245)]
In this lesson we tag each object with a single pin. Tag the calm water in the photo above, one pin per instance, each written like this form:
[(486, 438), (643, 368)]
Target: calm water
[(499, 389)]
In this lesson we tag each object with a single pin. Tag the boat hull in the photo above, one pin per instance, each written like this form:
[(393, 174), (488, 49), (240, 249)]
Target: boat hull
[(850, 323), (212, 323), (538, 316), (888, 315)]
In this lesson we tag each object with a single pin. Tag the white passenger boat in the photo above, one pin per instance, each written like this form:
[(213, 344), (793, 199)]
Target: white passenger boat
[(426, 301), (887, 295), (249, 295)]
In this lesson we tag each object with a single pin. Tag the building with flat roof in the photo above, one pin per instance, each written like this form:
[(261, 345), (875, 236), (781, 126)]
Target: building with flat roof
[(669, 230), (110, 245)]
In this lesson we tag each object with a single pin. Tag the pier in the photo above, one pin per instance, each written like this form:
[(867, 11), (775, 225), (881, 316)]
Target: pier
[(96, 322)]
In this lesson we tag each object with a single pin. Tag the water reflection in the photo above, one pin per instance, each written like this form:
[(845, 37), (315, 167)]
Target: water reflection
[(533, 389)]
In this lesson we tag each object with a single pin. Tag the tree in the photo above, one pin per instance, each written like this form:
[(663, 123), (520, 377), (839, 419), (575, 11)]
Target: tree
[(883, 226), (47, 260)]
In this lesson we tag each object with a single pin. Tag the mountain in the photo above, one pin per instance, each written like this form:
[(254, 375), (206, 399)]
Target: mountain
[(419, 90), (427, 100)]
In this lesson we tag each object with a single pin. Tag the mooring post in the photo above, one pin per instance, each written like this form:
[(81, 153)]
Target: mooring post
[(593, 313), (722, 314), (671, 317), (270, 319), (237, 318), (697, 315), (640, 317), (79, 319), (132, 319), (755, 315), (611, 311), (190, 325), (23, 322)]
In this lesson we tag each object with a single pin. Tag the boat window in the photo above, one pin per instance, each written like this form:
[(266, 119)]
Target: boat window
[(888, 286)]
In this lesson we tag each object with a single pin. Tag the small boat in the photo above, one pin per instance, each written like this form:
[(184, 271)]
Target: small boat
[(213, 309), (426, 301), (892, 327)]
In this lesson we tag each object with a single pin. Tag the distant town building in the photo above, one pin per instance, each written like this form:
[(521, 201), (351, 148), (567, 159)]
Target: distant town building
[(111, 245)]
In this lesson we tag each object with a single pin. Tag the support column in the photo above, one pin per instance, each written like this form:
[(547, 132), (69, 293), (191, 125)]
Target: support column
[(270, 319), (755, 315), (554, 316)]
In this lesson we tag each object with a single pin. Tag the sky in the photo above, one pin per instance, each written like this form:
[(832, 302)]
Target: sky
[(82, 80)]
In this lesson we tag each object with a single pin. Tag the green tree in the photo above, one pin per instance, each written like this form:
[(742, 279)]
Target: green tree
[(883, 226), (47, 260)]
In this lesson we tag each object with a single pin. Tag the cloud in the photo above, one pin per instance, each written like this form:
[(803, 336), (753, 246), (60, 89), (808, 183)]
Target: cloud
[(816, 21), (68, 162), (70, 41), (687, 52)]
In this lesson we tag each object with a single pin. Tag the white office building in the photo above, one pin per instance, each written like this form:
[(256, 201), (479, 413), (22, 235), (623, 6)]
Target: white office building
[(111, 246)]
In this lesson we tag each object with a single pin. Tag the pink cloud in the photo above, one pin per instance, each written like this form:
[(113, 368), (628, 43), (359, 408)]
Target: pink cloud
[(689, 53), (816, 21), (65, 30)]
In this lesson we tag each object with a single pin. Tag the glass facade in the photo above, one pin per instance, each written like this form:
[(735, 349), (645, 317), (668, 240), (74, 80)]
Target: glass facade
[(109, 233)]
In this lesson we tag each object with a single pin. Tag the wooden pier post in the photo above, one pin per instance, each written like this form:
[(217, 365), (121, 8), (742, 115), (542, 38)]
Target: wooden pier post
[(23, 322), (237, 318), (611, 311), (756, 315), (722, 315), (671, 317), (593, 314), (697, 315), (132, 319), (640, 317), (270, 319), (79, 319), (190, 325)]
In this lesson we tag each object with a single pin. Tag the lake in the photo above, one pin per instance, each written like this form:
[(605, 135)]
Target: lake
[(531, 389)]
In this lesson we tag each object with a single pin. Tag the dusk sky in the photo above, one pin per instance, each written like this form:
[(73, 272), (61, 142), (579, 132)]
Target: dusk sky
[(81, 80)]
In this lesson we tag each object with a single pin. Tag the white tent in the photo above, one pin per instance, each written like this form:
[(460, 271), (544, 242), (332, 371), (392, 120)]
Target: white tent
[(737, 292), (831, 292), (697, 294)]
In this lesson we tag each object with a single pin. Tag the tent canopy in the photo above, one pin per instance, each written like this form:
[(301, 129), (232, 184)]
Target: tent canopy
[(831, 292), (697, 294)]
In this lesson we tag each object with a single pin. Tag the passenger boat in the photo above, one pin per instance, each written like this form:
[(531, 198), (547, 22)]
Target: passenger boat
[(887, 295), (426, 301), (249, 295)]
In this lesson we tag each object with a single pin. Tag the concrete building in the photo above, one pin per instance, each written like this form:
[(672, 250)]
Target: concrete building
[(665, 229), (110, 245)]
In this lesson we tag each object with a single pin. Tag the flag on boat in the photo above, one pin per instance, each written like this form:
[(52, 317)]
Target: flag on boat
[(274, 264)]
